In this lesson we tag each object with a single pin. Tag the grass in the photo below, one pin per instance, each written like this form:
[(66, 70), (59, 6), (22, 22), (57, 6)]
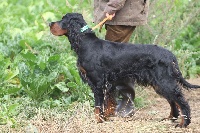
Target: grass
[(55, 116), (79, 117)]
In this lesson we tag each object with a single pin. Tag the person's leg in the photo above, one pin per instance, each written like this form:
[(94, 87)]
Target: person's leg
[(118, 33), (125, 104)]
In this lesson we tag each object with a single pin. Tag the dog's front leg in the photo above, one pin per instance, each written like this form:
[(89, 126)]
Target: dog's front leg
[(99, 115)]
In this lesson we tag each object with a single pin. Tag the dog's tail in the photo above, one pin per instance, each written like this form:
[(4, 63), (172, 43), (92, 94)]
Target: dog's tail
[(181, 80), (187, 85)]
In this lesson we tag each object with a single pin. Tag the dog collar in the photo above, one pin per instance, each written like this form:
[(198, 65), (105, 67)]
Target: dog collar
[(84, 28)]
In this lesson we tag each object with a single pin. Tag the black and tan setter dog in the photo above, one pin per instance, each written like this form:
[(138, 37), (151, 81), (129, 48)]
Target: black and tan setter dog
[(104, 65)]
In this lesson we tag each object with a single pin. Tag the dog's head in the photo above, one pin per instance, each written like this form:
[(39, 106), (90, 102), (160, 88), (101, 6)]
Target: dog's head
[(71, 21)]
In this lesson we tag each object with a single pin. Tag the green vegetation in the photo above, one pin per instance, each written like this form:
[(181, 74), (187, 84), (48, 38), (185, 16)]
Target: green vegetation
[(38, 70)]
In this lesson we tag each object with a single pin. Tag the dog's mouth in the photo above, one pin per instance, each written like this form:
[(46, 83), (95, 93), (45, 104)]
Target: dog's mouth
[(56, 29)]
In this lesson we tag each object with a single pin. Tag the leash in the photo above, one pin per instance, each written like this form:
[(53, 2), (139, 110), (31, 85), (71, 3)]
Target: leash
[(84, 28), (102, 22)]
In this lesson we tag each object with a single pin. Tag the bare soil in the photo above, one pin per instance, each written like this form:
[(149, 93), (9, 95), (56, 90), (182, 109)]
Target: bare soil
[(80, 119)]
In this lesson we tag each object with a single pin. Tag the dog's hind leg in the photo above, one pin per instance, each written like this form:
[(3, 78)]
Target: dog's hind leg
[(183, 106), (172, 92), (174, 113)]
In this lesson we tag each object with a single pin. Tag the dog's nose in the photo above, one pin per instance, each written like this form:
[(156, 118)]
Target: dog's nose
[(51, 23)]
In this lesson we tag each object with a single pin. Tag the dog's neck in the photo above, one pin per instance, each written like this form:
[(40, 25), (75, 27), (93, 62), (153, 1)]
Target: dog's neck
[(84, 28), (78, 36)]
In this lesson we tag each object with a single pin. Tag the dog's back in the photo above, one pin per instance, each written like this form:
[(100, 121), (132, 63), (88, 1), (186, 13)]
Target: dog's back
[(139, 61)]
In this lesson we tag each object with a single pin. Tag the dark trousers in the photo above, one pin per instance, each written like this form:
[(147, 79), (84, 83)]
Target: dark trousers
[(118, 33)]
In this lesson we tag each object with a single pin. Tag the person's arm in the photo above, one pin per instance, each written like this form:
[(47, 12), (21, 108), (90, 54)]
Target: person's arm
[(113, 6)]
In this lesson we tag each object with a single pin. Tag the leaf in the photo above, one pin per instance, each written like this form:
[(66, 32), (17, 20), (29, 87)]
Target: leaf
[(76, 76), (10, 75), (40, 35), (13, 90), (54, 58), (67, 100), (52, 76), (31, 93), (3, 121), (12, 109), (42, 65), (42, 89), (72, 85), (67, 73), (29, 56), (24, 71), (22, 43), (4, 63), (62, 86)]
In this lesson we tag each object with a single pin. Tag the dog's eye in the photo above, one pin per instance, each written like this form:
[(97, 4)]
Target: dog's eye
[(63, 25)]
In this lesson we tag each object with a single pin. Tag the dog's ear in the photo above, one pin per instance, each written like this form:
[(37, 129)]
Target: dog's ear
[(74, 18), (79, 16)]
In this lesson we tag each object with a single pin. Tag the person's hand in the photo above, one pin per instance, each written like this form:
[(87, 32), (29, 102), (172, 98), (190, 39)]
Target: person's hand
[(110, 17)]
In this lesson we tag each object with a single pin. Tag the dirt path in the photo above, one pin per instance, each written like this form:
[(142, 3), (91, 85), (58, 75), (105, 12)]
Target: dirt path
[(145, 120)]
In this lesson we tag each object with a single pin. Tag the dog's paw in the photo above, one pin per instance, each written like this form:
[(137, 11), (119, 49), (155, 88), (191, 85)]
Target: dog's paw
[(169, 118), (99, 115), (181, 125)]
